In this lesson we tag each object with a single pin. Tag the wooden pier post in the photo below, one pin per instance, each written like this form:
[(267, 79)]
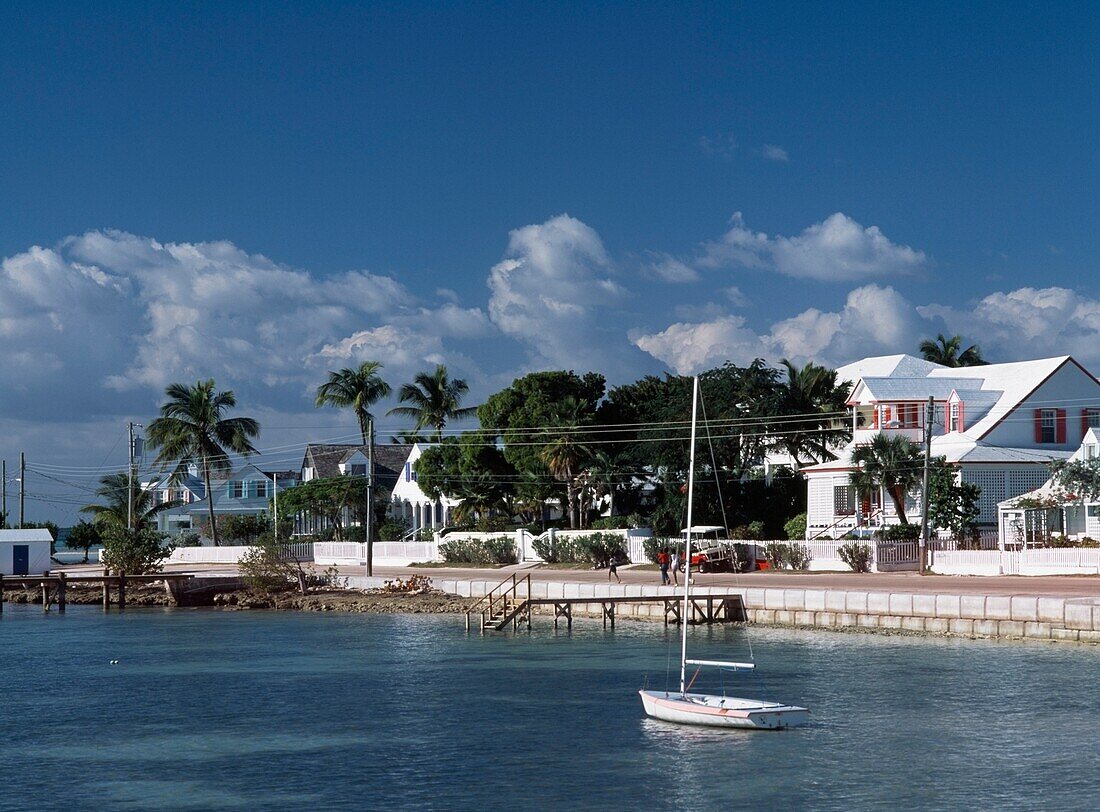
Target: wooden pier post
[(1, 594), (61, 592), (106, 590), (45, 597), (122, 590)]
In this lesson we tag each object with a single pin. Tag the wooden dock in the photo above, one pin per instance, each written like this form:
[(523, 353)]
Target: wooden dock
[(54, 587), (510, 602)]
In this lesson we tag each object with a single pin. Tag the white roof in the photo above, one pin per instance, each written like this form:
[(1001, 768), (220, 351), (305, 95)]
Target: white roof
[(882, 366), (957, 447), (24, 536)]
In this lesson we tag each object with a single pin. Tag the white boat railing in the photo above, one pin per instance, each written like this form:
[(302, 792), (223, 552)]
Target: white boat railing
[(723, 664)]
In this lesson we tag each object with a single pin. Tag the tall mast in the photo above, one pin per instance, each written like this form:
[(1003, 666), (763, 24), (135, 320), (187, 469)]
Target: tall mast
[(687, 565)]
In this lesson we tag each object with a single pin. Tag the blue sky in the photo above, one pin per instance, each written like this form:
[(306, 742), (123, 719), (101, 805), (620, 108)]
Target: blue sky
[(624, 187)]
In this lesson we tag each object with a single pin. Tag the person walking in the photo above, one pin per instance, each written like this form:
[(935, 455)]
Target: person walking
[(613, 569), (676, 566), (662, 562)]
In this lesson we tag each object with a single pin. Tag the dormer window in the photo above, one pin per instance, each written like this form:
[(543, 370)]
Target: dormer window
[(359, 470)]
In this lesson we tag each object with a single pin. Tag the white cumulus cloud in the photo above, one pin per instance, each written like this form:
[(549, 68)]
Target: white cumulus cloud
[(836, 249)]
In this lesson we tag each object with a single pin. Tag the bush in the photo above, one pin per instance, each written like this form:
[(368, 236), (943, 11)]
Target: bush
[(189, 539), (242, 529), (796, 528), (781, 555), (392, 530), (753, 531), (133, 552), (500, 550), (899, 532), (776, 553), (856, 555), (595, 548), (798, 556), (610, 523), (741, 557), (653, 545), (267, 567)]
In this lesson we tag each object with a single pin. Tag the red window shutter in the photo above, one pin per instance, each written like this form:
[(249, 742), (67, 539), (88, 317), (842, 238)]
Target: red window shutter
[(1060, 423), (962, 417), (885, 416), (1038, 425)]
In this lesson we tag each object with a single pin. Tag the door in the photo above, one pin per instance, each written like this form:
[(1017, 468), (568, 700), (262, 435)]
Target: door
[(20, 559)]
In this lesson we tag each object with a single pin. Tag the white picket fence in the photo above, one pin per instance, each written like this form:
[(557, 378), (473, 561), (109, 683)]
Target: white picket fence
[(1047, 561), (386, 553), (228, 555)]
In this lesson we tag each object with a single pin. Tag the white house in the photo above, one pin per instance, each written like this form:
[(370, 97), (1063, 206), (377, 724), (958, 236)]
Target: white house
[(1000, 424), (1053, 511), (410, 503), (25, 552)]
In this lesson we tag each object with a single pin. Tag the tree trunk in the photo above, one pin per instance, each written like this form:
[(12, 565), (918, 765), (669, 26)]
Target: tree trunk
[(209, 500), (898, 497)]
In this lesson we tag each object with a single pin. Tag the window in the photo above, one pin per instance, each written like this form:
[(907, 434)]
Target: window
[(1090, 419), (1093, 511), (1050, 426), (410, 474), (359, 470), (261, 490), (954, 424), (908, 415), (844, 500), (236, 490)]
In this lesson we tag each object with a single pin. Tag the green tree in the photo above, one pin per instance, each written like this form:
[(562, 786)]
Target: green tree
[(1078, 479), (534, 403), (952, 505), (243, 529), (356, 389), (469, 469), (192, 430), (83, 536), (125, 503), (434, 399), (133, 551), (815, 407), (564, 451), (892, 463), (949, 352), (331, 497)]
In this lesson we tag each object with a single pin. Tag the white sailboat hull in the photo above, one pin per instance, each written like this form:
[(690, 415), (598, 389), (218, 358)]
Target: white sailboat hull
[(722, 711)]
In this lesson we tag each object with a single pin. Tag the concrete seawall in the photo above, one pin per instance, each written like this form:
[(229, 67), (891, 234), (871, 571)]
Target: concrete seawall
[(1072, 619)]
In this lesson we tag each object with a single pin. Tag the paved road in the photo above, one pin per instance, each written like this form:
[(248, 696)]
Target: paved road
[(1054, 585)]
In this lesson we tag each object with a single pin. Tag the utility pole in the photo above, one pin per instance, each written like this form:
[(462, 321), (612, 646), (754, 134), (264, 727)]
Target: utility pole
[(130, 482), (275, 502), (369, 520), (22, 484), (4, 489), (929, 412)]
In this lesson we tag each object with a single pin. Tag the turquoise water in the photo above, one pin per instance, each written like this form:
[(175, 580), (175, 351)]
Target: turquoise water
[(222, 710)]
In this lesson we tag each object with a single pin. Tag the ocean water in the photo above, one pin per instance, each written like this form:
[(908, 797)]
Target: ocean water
[(224, 710)]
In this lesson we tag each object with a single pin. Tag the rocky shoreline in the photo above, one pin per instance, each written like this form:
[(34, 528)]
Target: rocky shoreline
[(326, 599)]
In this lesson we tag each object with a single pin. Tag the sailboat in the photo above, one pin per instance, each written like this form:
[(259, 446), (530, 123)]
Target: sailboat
[(711, 709)]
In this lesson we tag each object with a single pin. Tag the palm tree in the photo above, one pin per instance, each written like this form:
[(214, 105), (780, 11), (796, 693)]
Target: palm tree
[(893, 464), (606, 475), (192, 430), (810, 391), (126, 503), (358, 389), (564, 453), (434, 398), (948, 352)]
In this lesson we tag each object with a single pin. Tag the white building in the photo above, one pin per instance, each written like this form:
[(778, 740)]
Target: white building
[(1000, 424), (410, 503), (1060, 514), (25, 552)]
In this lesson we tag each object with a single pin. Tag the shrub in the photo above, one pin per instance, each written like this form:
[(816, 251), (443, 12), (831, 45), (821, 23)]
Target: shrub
[(1088, 542), (610, 523), (500, 550), (777, 554), (798, 556), (595, 548), (653, 545), (268, 567), (741, 557), (189, 539), (856, 555), (796, 528), (899, 532), (753, 531), (134, 552), (242, 529), (393, 530)]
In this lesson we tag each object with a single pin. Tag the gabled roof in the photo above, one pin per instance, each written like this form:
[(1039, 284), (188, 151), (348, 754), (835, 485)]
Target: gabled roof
[(894, 388), (325, 460), (25, 536), (886, 366)]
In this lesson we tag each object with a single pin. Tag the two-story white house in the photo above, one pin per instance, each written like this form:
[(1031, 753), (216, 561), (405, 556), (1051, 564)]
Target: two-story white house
[(999, 424)]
